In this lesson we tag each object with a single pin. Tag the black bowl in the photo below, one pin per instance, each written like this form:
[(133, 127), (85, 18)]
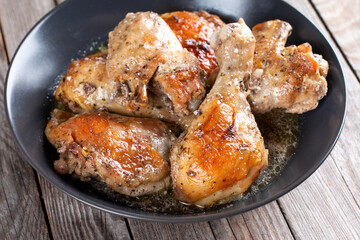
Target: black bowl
[(72, 29)]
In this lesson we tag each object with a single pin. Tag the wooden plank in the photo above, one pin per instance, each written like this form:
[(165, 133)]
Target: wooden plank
[(343, 20), (263, 223), (21, 215), (18, 179), (346, 30), (239, 226), (222, 230), (71, 219), (27, 14), (322, 207), (325, 207), (151, 230), (346, 153), (267, 222)]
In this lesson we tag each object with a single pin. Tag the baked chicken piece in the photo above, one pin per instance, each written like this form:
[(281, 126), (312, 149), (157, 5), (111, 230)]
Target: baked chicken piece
[(291, 77), (143, 47), (129, 154), (222, 152), (86, 87), (194, 29)]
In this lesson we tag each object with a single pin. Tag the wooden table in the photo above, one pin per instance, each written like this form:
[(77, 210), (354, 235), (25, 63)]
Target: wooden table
[(326, 206)]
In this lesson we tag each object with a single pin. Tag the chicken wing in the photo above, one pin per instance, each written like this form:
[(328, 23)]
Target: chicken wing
[(222, 151), (86, 87), (194, 29), (292, 78), (143, 47), (129, 154)]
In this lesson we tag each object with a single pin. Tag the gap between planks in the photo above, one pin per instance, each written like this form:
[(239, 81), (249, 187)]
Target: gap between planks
[(17, 187), (8, 43), (3, 44), (43, 206), (343, 20), (352, 91), (335, 40)]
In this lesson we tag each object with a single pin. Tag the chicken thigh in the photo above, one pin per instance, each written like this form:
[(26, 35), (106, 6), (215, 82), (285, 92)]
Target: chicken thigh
[(222, 151), (143, 47), (86, 87), (292, 78), (194, 29), (129, 154)]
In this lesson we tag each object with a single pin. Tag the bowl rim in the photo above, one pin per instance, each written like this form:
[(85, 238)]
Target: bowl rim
[(151, 216)]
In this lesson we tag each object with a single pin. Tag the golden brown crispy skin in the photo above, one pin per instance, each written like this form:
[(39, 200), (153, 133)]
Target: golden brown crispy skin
[(79, 87), (222, 151), (86, 87), (129, 154), (292, 78), (194, 29), (143, 47)]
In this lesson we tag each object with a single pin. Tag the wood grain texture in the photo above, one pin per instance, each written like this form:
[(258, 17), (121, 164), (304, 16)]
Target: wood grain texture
[(326, 206), (151, 230), (343, 20), (17, 178), (21, 215), (71, 219), (346, 153), (17, 17), (222, 230), (239, 227), (322, 207), (266, 222)]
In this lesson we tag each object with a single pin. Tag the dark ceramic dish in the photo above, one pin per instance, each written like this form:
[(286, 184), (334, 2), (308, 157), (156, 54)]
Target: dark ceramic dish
[(74, 27)]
